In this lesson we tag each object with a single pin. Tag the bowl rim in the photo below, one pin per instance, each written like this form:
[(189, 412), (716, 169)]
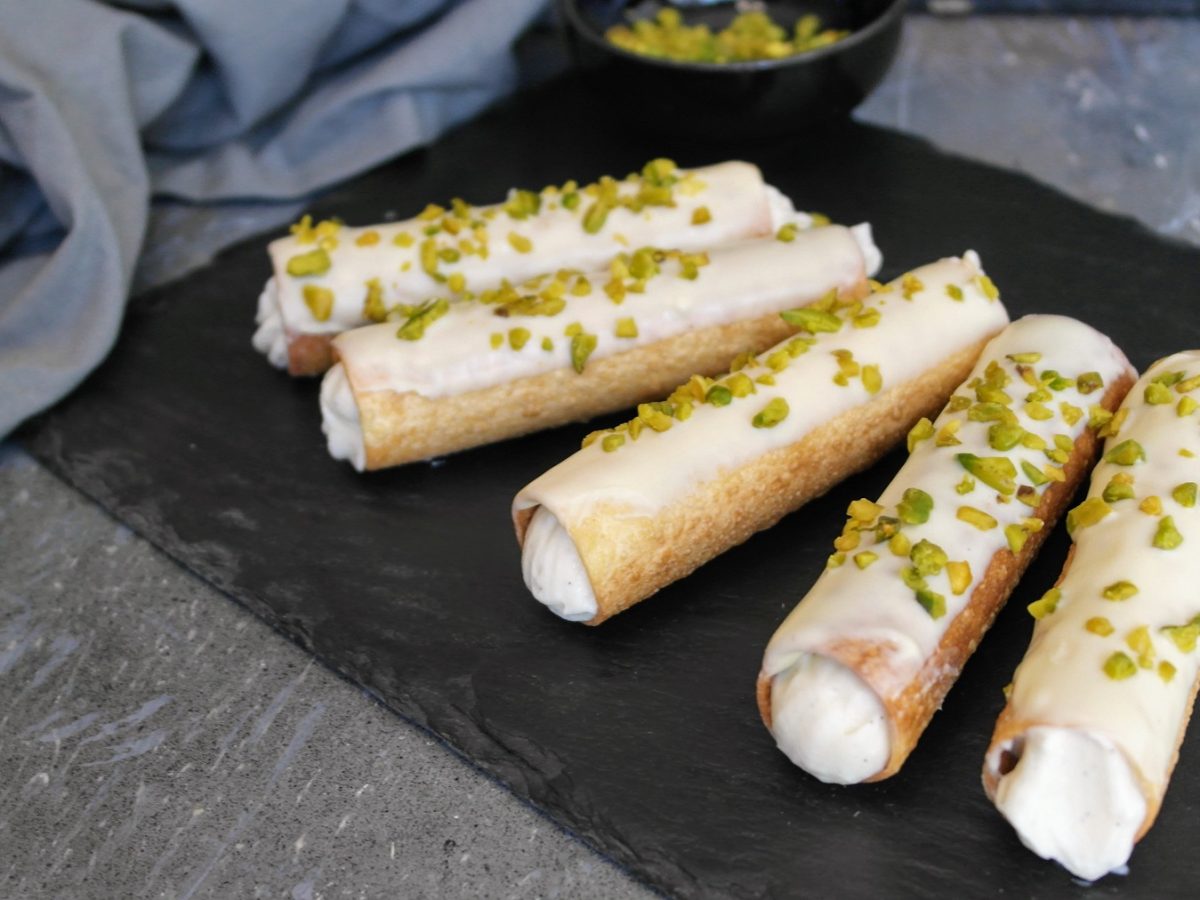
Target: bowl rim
[(885, 19)]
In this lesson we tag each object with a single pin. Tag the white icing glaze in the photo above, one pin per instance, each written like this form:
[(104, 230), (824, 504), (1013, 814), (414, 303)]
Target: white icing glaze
[(661, 468), (269, 338), (741, 205), (828, 722), (553, 571), (742, 281), (1073, 799), (873, 604), (339, 419), (1061, 681)]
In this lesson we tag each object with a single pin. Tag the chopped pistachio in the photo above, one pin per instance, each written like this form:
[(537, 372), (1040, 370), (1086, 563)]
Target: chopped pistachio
[(626, 328), (1167, 536), (987, 286), (520, 243), (1098, 417), (743, 360), (1028, 495), (1034, 474), (367, 238), (1119, 590), (1157, 394), (765, 379), (1166, 671), (914, 507), (1119, 487), (547, 344), (1087, 513), (868, 318), (612, 442), (996, 472), (1046, 604), (740, 385), (1054, 473), (933, 602), (1139, 641), (319, 301), (421, 317), (1125, 453), (835, 560), (958, 403), (976, 517), (1185, 494), (1025, 358), (1089, 382), (787, 232), (1038, 411), (635, 428), (812, 320), (798, 346), (719, 395), (1119, 666), (959, 574), (683, 410), (847, 541), (922, 431), (1185, 452), (701, 215), (965, 486), (910, 284), (1070, 413), (863, 510), (1031, 441), (1186, 406), (1151, 506), (954, 292), (990, 412), (1183, 636), (899, 544), (496, 340), (582, 345), (1016, 536), (865, 558), (928, 558), (589, 439), (772, 414), (655, 416), (373, 306), (946, 434), (778, 361), (1113, 426), (871, 379), (1004, 436), (314, 262), (518, 337), (1099, 625), (573, 330)]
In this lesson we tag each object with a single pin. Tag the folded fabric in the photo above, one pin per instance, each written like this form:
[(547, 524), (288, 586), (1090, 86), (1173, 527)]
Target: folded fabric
[(199, 100)]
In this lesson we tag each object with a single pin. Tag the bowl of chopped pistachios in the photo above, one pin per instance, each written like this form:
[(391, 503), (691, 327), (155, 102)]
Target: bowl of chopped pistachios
[(733, 70)]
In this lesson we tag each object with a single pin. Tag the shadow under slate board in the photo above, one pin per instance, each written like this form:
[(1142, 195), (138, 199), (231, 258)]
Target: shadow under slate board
[(641, 736)]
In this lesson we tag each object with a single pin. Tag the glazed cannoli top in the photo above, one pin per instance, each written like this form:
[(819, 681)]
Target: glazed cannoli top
[(571, 319), (330, 277), (847, 352), (906, 565), (1114, 646)]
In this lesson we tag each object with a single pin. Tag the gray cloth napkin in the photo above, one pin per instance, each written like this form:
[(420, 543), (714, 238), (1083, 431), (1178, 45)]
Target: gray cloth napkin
[(105, 106)]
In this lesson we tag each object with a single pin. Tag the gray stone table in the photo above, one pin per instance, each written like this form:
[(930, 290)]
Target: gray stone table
[(158, 741)]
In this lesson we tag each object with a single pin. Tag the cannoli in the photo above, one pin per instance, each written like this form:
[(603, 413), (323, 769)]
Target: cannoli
[(570, 346), (642, 505), (329, 277), (852, 677), (1085, 746)]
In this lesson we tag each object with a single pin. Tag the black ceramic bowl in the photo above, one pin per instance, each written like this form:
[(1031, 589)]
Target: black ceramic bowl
[(736, 100)]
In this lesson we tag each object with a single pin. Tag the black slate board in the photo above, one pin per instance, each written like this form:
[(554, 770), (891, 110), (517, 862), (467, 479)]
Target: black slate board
[(641, 736)]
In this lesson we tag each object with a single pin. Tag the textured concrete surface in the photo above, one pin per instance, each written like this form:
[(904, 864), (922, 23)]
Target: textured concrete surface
[(158, 741)]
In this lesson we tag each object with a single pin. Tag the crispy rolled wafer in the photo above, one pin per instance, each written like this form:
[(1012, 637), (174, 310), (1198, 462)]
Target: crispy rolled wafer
[(854, 674), (571, 346), (329, 277), (643, 505), (1084, 749)]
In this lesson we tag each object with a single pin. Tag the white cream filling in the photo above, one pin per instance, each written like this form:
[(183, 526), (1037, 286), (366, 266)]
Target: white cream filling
[(828, 722), (269, 338), (553, 571), (1073, 798), (339, 418), (873, 256)]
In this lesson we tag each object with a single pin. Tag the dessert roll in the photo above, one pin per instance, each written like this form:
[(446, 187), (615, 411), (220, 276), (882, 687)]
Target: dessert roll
[(854, 674), (1083, 751), (644, 504), (569, 346), (329, 277)]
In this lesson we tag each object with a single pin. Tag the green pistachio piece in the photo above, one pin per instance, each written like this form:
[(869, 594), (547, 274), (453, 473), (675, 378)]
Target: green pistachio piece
[(1183, 636), (1016, 537), (1167, 536), (421, 317), (1034, 474), (922, 431), (314, 262), (914, 507), (518, 337), (595, 217), (1126, 453), (1025, 358), (787, 232), (865, 558), (1004, 436), (928, 558), (1119, 590), (612, 442), (718, 395), (1087, 513), (1139, 641), (496, 339), (772, 414), (954, 292), (547, 344), (1166, 671), (976, 517), (1119, 487), (1099, 625), (582, 345), (1046, 604), (1157, 394), (932, 602), (656, 415), (1119, 667), (701, 215), (319, 301), (1185, 494), (740, 385), (1038, 411), (812, 320), (1186, 406), (871, 378), (1089, 382), (868, 318), (959, 574), (626, 328), (997, 472)]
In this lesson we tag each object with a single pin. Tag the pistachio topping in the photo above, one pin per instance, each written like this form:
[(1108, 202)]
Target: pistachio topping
[(868, 318), (1016, 535), (965, 486), (872, 380), (1025, 358), (976, 517), (1166, 671), (374, 309), (582, 345), (1186, 406), (996, 472), (1126, 453), (1089, 383), (1157, 394), (547, 344), (1151, 506), (865, 558), (1167, 536), (421, 317), (1119, 487), (1087, 513), (314, 262), (718, 395), (701, 215), (1035, 475), (496, 339), (1099, 625), (1004, 436), (787, 232), (771, 415), (518, 337), (1183, 636), (319, 301), (1046, 604), (1119, 590), (812, 320), (914, 507), (932, 602), (922, 431), (987, 286), (1185, 494), (1119, 667), (899, 544), (1139, 641), (954, 292), (626, 328), (959, 574), (910, 285), (611, 442)]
